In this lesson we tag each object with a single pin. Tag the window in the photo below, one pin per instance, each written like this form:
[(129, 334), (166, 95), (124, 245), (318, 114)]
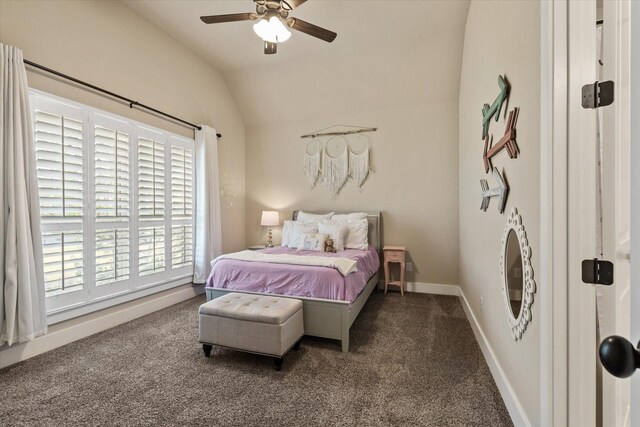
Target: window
[(116, 201)]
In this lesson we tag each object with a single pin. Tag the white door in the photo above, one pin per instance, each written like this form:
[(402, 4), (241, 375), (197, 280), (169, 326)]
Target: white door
[(619, 399), (614, 302)]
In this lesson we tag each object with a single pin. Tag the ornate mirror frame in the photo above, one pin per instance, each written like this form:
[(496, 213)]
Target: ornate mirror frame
[(518, 325)]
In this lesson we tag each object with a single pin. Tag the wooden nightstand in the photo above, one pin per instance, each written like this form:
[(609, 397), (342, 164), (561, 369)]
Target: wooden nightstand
[(256, 247), (394, 254)]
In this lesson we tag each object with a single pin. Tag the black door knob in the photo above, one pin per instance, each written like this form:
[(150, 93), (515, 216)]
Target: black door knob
[(619, 357)]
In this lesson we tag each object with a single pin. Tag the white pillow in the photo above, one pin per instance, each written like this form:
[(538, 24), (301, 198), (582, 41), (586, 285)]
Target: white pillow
[(357, 235), (349, 217), (336, 231), (313, 242), (292, 232), (308, 217)]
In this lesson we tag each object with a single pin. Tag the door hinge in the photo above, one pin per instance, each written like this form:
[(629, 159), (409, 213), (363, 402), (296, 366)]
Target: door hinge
[(597, 272), (598, 94)]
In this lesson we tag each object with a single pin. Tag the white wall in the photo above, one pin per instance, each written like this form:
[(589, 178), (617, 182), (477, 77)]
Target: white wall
[(410, 92), (107, 44), (501, 38)]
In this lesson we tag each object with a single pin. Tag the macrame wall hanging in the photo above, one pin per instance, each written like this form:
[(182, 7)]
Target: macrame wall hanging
[(336, 169), (359, 165), (312, 162), (336, 161)]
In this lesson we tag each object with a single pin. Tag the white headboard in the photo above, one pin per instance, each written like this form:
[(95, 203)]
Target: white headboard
[(374, 226)]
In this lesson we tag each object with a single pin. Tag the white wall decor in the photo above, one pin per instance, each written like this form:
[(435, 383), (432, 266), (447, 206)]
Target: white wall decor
[(501, 192), (344, 163), (519, 320)]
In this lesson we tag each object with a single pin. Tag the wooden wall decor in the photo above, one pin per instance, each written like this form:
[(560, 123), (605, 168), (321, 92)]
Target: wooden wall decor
[(508, 141), (494, 110), (501, 192)]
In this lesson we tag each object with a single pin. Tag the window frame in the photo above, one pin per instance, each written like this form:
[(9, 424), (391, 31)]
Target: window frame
[(93, 297)]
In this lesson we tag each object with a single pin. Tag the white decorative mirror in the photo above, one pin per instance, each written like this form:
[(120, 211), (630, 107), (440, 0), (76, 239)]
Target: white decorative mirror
[(516, 273)]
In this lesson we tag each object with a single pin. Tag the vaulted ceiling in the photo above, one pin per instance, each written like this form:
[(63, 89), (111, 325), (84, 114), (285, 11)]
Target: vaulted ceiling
[(361, 25), (388, 54)]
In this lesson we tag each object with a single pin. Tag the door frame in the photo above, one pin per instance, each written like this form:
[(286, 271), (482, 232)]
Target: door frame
[(567, 141), (635, 197), (553, 212)]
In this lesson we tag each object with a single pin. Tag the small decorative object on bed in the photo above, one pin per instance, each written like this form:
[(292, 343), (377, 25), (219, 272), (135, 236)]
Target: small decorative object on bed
[(328, 245), (501, 192), (516, 272)]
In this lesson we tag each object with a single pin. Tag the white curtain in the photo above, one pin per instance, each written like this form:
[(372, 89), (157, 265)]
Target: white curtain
[(22, 298), (208, 239)]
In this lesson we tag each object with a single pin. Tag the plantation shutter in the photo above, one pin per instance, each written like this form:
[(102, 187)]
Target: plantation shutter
[(150, 178), (58, 138), (111, 173), (181, 204), (181, 245), (151, 205), (151, 250), (58, 142), (112, 255)]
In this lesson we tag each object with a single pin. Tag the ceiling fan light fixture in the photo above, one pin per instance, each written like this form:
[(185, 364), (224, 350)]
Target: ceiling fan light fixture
[(273, 30)]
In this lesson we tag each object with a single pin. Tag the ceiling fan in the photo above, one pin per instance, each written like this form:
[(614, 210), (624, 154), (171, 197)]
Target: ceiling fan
[(273, 19)]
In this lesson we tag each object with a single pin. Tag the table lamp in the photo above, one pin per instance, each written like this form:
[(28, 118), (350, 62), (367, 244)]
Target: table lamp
[(270, 219)]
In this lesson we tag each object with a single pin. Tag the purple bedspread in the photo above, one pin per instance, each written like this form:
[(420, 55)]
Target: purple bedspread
[(300, 280)]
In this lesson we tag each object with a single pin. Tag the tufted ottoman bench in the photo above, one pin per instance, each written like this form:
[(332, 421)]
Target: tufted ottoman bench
[(253, 323)]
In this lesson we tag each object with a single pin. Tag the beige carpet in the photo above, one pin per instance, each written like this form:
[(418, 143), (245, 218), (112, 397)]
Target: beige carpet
[(413, 361)]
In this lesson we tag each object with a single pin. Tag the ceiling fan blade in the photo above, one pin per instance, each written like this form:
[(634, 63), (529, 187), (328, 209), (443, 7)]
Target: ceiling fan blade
[(233, 17), (292, 4), (312, 30)]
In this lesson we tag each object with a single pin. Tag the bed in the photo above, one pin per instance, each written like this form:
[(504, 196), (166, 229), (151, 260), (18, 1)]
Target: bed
[(330, 312)]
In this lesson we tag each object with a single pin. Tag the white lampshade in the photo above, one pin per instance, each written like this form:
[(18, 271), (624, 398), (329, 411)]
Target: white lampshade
[(272, 30), (270, 218)]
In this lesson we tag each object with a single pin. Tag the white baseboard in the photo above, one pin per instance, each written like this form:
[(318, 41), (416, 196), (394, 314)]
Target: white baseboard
[(75, 329), (511, 401), (432, 288)]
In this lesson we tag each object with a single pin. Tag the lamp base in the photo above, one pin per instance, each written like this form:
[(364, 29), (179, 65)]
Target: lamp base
[(269, 242)]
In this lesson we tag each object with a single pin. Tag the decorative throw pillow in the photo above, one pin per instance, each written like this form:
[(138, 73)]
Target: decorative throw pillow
[(313, 242), (358, 235), (309, 217), (336, 232), (292, 232)]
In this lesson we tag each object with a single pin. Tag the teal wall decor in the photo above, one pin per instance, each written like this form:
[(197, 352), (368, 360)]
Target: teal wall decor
[(494, 110)]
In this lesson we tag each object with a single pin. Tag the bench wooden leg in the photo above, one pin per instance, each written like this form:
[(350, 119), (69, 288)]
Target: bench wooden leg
[(277, 363), (207, 349), (296, 346)]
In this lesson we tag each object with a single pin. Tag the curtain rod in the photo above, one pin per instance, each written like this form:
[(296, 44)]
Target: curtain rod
[(131, 102)]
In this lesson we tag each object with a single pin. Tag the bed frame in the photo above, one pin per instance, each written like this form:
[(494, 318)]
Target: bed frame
[(329, 318)]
